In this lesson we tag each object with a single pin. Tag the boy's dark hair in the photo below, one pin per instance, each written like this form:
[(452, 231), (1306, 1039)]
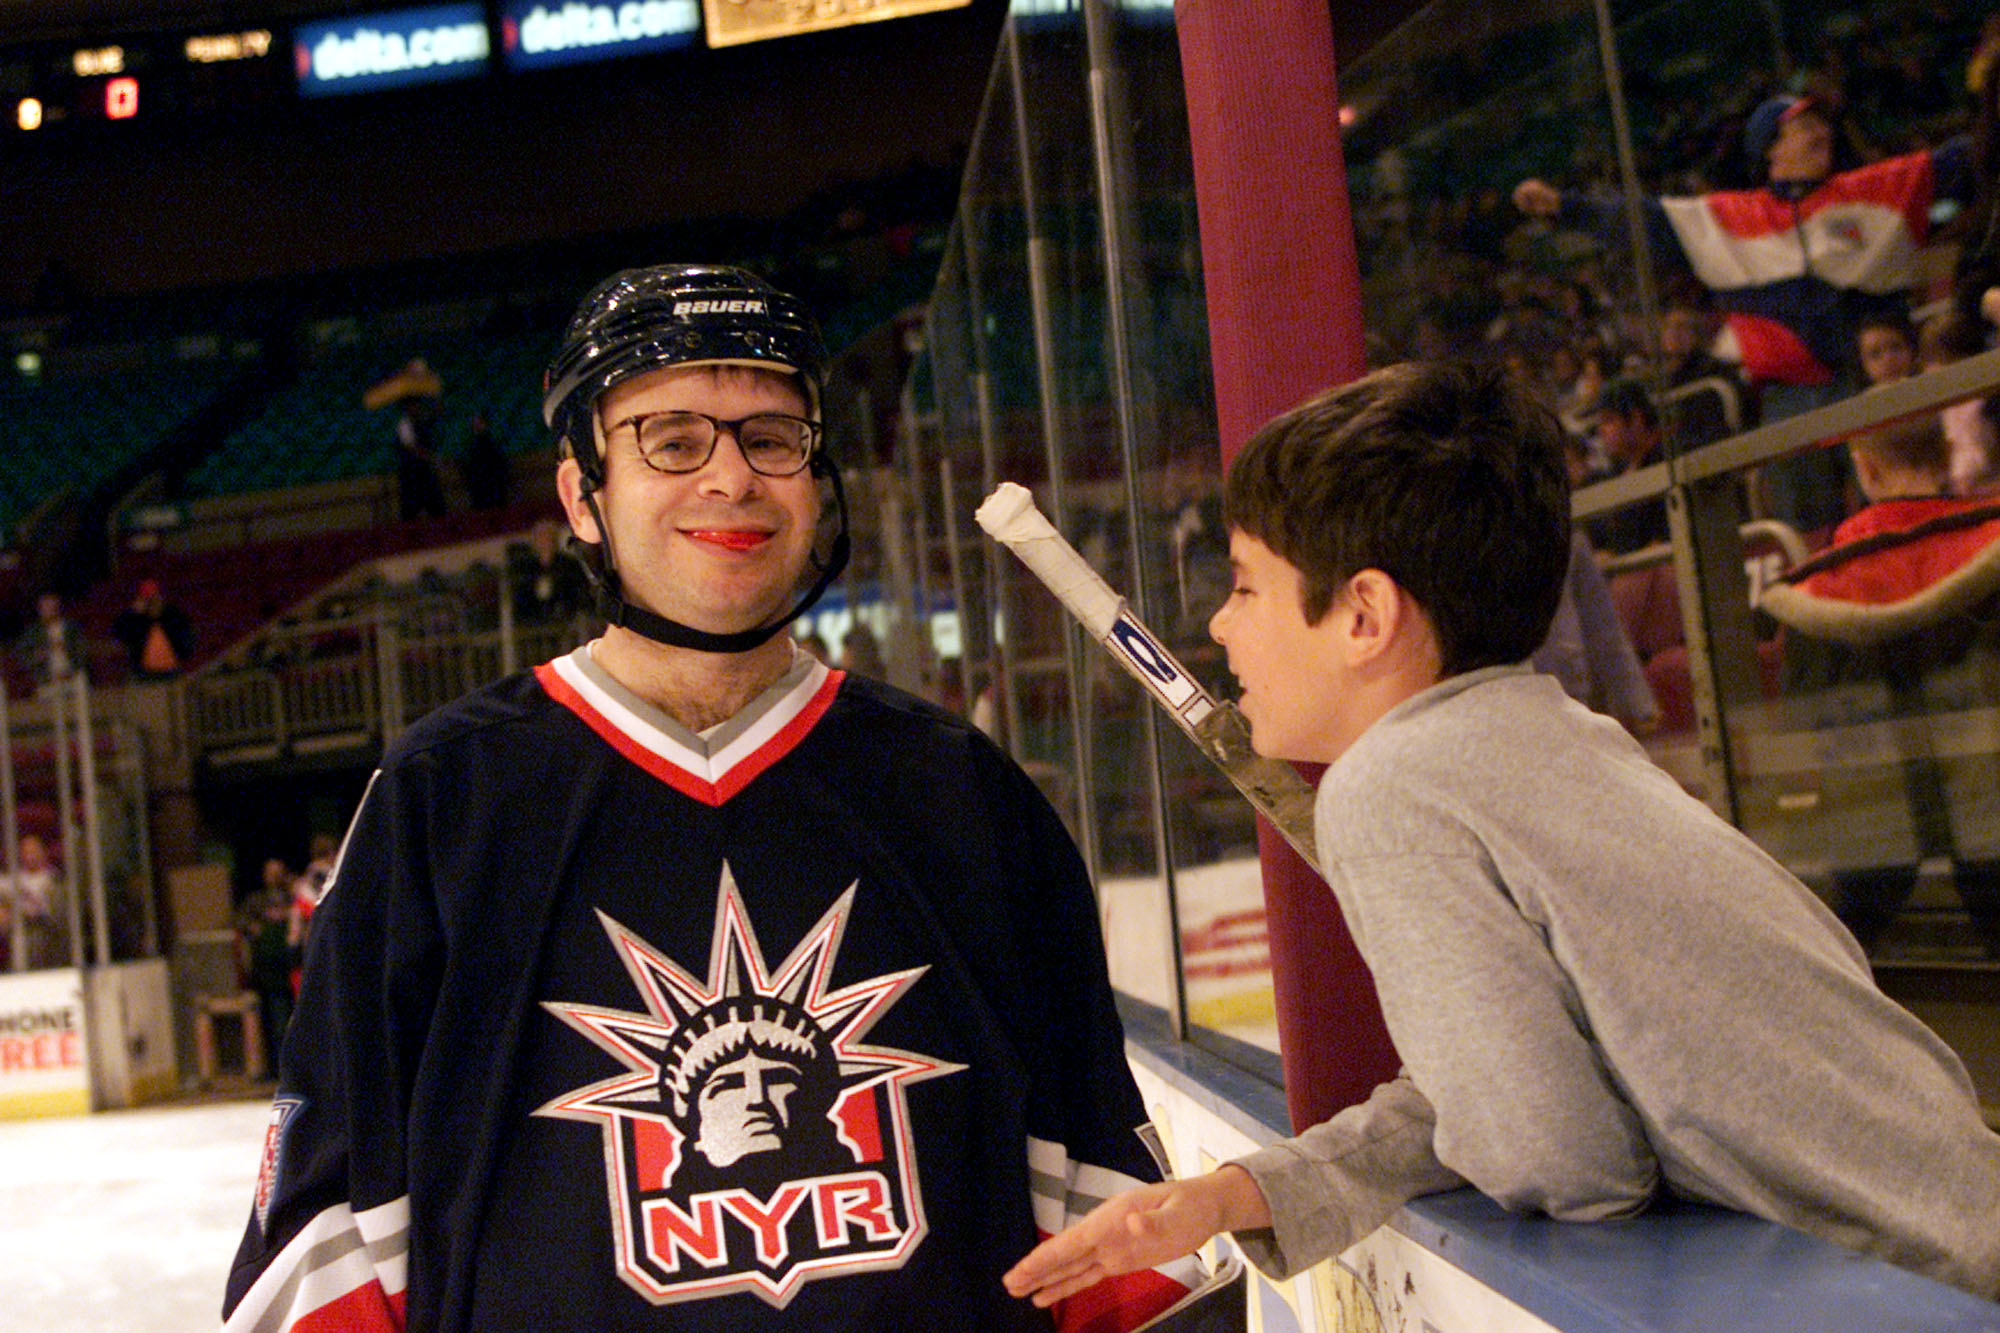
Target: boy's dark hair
[(1445, 476), (1914, 445), (1894, 321), (1628, 397)]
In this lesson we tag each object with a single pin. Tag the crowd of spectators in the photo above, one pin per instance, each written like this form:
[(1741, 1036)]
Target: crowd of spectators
[(1466, 249)]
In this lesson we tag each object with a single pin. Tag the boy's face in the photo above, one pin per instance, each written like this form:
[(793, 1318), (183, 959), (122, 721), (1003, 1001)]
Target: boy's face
[(1292, 673), (1886, 355)]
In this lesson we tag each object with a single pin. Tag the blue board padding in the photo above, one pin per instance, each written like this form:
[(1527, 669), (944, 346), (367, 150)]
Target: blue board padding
[(1683, 1268)]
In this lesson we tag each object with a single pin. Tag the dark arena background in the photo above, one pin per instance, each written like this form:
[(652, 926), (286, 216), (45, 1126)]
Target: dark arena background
[(1085, 245)]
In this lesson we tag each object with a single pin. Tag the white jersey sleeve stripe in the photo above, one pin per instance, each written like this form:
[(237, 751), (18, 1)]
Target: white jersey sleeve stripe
[(336, 1253), (1065, 1189)]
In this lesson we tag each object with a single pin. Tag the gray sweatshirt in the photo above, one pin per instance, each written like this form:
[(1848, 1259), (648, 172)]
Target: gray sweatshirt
[(1596, 987)]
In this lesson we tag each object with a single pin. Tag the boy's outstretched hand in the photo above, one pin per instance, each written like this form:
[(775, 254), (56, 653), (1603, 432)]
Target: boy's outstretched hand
[(1141, 1228)]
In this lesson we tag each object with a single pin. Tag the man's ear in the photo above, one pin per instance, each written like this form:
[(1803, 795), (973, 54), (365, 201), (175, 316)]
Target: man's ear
[(570, 487)]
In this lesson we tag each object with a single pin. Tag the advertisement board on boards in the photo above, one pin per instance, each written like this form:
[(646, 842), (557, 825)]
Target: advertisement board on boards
[(44, 1058)]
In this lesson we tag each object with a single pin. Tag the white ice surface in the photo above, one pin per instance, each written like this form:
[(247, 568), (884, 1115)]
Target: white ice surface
[(126, 1220)]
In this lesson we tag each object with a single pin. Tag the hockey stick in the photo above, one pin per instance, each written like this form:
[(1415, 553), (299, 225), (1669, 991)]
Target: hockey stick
[(1010, 517)]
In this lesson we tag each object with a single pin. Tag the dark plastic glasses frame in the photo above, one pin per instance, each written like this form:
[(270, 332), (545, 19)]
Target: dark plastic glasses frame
[(716, 427)]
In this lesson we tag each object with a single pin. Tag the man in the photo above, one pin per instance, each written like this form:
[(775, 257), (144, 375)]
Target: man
[(1628, 437), (685, 982), (1793, 263), (156, 633)]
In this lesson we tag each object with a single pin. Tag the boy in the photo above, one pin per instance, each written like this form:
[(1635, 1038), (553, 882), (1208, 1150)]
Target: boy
[(1885, 345), (1903, 471), (1581, 966)]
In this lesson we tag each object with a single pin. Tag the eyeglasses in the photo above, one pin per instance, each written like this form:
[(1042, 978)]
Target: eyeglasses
[(772, 443)]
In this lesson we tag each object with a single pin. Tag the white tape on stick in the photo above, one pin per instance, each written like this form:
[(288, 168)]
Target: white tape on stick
[(1011, 518)]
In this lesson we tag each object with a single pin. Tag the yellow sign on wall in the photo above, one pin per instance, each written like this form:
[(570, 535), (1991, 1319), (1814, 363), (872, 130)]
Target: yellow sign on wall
[(732, 22)]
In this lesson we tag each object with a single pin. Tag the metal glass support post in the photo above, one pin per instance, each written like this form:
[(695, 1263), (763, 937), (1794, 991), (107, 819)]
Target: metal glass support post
[(1111, 143), (955, 565), (1703, 519), (1628, 183), (1048, 384), (998, 614), (93, 831), (10, 828), (58, 695)]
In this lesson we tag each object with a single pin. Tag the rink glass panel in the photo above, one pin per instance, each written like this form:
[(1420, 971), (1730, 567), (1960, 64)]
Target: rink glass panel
[(1877, 788), (1066, 350)]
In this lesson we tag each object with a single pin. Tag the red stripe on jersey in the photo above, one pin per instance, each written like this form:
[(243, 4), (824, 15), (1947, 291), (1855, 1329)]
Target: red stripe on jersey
[(1118, 1303), (363, 1310), (688, 784)]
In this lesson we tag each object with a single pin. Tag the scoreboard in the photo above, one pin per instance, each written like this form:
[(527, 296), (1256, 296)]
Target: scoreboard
[(142, 78), (160, 78)]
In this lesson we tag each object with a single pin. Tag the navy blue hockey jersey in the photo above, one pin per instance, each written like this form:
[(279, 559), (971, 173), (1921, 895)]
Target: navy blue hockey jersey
[(801, 1022)]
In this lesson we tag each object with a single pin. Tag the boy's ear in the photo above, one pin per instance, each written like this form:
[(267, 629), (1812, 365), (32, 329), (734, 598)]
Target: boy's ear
[(1372, 610)]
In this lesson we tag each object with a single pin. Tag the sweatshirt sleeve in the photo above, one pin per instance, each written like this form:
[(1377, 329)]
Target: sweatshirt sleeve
[(328, 1239), (1503, 1087), (1492, 1031), (1338, 1181)]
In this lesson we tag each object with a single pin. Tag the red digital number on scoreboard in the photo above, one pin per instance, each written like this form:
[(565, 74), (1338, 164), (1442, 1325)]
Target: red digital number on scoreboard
[(121, 99)]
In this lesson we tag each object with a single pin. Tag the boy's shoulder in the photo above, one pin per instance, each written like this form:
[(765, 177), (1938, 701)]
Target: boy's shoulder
[(1462, 752)]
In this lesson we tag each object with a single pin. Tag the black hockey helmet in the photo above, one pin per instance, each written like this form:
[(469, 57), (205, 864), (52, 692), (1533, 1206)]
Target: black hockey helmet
[(673, 315), (681, 315)]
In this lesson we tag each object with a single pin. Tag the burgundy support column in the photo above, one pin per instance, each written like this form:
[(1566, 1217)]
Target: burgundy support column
[(1284, 319)]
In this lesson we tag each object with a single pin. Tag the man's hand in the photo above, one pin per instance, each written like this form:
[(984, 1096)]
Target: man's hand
[(1141, 1228), (1537, 198)]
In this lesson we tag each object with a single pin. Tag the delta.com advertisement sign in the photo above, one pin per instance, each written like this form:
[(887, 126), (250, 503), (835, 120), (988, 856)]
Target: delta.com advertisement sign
[(396, 49), (538, 34)]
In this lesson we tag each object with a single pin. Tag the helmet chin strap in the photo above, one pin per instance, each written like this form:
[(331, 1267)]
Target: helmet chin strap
[(649, 624)]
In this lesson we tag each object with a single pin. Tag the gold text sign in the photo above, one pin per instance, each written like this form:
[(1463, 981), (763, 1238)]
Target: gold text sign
[(732, 22)]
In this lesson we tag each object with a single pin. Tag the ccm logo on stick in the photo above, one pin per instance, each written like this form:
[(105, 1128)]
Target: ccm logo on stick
[(1139, 649)]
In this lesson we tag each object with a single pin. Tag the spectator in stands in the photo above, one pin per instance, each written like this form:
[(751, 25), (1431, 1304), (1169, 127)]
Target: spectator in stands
[(1896, 599), (419, 486), (51, 646), (1970, 431), (307, 890), (414, 392), (1793, 264), (1685, 338), (547, 584), (1886, 345), (1588, 650), (263, 930), (33, 895), (156, 633), (1902, 470), (487, 479), (1628, 437)]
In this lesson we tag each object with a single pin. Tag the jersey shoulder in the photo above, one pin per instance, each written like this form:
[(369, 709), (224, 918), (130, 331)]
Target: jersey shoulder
[(508, 704)]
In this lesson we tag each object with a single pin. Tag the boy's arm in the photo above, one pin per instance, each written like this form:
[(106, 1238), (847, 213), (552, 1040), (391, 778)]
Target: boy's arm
[(1289, 1205), (1330, 1186), (1491, 1029)]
